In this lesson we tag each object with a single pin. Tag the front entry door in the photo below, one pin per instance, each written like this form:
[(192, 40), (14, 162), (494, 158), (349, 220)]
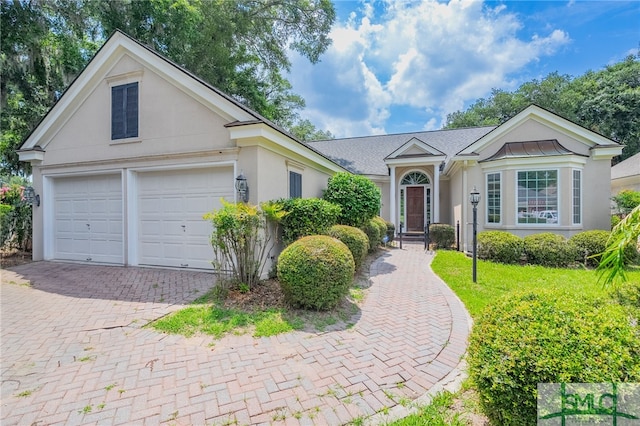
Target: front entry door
[(415, 208)]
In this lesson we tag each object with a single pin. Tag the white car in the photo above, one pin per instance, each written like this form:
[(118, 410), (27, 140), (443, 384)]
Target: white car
[(550, 215)]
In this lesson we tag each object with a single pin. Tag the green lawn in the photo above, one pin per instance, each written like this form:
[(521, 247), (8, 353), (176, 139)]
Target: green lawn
[(496, 280)]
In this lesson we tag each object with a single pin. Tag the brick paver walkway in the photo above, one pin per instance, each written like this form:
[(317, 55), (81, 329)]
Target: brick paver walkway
[(73, 351)]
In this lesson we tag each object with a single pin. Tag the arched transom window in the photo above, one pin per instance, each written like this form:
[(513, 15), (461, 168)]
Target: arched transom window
[(415, 178)]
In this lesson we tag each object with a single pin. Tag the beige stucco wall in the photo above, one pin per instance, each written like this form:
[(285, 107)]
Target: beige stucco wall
[(170, 122), (595, 184), (628, 183), (267, 173)]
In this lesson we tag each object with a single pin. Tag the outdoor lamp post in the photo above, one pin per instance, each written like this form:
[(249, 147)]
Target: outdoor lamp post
[(242, 187), (474, 199)]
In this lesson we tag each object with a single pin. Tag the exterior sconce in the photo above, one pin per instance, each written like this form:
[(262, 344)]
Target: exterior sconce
[(242, 187), (31, 197)]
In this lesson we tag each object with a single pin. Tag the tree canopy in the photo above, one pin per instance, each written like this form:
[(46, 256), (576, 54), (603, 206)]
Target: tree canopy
[(606, 101), (237, 46)]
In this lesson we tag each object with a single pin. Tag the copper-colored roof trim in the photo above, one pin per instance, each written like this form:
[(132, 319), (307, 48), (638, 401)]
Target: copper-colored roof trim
[(543, 148)]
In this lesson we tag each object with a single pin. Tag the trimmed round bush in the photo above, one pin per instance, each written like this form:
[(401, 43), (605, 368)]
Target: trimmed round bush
[(500, 246), (588, 244), (547, 337), (358, 197), (372, 231), (355, 239), (549, 249), (307, 216), (441, 235), (382, 227), (391, 231), (315, 272)]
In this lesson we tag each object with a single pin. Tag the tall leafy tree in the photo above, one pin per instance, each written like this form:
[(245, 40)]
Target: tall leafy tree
[(606, 101), (240, 47)]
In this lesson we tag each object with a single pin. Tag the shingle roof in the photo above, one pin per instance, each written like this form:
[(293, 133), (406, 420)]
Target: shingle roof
[(365, 155), (628, 167)]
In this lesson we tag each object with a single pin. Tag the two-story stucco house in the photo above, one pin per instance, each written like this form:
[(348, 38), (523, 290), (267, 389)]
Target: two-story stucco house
[(138, 149)]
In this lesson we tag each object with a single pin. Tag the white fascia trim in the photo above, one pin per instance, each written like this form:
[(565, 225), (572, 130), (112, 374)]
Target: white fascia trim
[(455, 163), (94, 74), (414, 142), (378, 178), (605, 152), (32, 156), (206, 165), (415, 161), (265, 136), (553, 121), (539, 162)]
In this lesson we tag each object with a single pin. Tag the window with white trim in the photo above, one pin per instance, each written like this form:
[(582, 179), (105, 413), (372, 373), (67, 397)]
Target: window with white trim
[(295, 185), (577, 197), (537, 197), (124, 111), (494, 199)]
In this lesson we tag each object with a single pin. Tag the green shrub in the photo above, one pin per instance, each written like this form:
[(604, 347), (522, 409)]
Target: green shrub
[(358, 197), (549, 249), (354, 238), (372, 231), (589, 245), (391, 231), (15, 216), (241, 239), (382, 227), (547, 337), (442, 236), (615, 219), (626, 200), (315, 272), (500, 246), (307, 216)]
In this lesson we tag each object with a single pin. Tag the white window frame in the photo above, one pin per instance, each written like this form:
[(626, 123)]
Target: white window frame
[(558, 197), (573, 206), (298, 168), (486, 180), (120, 80)]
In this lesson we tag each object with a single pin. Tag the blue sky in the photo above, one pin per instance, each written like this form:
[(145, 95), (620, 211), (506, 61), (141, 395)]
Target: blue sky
[(403, 66)]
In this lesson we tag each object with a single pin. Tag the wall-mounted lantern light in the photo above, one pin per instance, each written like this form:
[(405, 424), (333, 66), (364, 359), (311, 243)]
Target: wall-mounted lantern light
[(242, 187), (31, 197)]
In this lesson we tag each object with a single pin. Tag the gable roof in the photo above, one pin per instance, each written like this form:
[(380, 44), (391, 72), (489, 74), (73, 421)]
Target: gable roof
[(114, 48), (549, 119), (626, 168), (366, 155)]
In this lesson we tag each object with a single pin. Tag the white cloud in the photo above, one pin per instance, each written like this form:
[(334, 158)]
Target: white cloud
[(426, 55)]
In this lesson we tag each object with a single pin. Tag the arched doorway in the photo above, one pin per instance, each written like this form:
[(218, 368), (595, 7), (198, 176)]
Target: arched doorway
[(415, 201)]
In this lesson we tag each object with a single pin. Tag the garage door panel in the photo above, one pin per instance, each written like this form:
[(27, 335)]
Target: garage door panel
[(171, 209), (88, 218)]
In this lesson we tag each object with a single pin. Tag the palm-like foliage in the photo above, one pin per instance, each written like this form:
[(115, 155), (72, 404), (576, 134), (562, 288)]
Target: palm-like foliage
[(612, 265)]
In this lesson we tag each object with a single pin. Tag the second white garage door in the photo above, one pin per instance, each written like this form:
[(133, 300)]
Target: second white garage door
[(171, 204)]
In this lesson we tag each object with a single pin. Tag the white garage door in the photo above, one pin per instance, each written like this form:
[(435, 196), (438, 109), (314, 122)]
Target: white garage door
[(88, 219), (171, 230)]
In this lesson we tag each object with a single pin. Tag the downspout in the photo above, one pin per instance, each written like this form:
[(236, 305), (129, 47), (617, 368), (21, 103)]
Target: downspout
[(464, 219)]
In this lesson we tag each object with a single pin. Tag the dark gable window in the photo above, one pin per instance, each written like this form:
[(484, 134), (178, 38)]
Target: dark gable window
[(124, 111), (295, 185)]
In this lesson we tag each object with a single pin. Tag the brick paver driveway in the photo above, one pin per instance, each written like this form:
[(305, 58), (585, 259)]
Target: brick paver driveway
[(74, 351)]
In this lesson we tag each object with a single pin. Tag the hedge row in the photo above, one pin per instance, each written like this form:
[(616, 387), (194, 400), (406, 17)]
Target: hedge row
[(546, 249)]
